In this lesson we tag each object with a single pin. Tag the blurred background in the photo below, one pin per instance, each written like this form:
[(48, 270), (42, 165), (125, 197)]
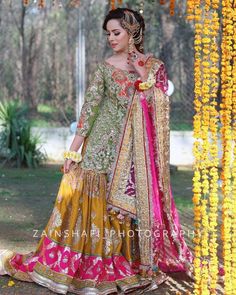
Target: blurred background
[(38, 54)]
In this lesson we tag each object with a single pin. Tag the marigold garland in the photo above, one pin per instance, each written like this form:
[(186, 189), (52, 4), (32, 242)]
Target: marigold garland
[(197, 188), (228, 84), (25, 2), (234, 173), (41, 3), (205, 149), (214, 160), (172, 7)]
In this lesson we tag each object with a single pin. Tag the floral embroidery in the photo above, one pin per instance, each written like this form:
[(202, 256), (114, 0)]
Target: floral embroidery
[(55, 219), (103, 113), (90, 108), (161, 78), (113, 99), (119, 76)]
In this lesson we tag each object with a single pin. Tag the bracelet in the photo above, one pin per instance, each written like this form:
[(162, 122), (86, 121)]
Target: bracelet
[(137, 85), (141, 86), (72, 155)]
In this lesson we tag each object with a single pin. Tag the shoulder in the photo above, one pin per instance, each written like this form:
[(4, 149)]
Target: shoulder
[(101, 66), (153, 63), (98, 68)]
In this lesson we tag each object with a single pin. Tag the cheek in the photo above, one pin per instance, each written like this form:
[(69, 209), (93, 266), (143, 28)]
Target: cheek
[(123, 38)]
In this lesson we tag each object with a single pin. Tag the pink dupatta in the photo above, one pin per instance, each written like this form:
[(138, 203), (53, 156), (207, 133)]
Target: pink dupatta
[(143, 155)]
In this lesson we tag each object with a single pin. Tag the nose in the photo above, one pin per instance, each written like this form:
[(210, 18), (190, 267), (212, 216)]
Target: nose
[(110, 38)]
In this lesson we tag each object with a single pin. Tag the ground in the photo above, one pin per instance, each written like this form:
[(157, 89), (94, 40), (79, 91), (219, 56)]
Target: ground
[(27, 197)]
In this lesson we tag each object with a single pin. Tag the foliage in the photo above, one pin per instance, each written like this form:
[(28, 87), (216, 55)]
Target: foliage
[(18, 146), (38, 63)]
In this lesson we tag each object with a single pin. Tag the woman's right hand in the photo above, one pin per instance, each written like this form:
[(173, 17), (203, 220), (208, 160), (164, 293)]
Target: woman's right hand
[(67, 164)]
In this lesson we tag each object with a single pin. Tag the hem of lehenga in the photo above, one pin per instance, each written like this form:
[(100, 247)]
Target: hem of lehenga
[(63, 285), (128, 284), (86, 285)]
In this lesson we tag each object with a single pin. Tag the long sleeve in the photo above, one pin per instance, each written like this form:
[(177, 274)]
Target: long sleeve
[(90, 108), (161, 78)]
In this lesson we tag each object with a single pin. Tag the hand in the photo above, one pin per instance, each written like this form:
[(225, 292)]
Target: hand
[(67, 164), (137, 60)]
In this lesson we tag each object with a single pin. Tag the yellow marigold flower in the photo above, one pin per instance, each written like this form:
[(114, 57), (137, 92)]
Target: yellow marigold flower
[(10, 283)]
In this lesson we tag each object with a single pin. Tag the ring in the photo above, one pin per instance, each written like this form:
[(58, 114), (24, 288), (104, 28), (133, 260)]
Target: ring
[(134, 56)]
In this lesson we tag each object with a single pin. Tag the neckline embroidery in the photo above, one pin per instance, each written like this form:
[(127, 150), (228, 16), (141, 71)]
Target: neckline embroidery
[(127, 71)]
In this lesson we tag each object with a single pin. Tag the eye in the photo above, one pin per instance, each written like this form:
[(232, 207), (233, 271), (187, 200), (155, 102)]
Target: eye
[(118, 33)]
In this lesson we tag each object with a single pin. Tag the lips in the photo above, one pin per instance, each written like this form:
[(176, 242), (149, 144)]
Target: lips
[(113, 45)]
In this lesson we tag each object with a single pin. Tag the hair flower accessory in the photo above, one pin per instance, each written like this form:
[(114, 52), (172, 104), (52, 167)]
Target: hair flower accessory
[(72, 155)]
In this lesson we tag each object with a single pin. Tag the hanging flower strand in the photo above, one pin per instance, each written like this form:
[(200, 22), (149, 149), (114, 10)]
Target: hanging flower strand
[(205, 161), (226, 130), (112, 4), (213, 173), (205, 149), (234, 173), (25, 2), (197, 148), (172, 7), (41, 3)]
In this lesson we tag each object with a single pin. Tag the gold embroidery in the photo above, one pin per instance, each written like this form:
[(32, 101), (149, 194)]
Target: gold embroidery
[(142, 184)]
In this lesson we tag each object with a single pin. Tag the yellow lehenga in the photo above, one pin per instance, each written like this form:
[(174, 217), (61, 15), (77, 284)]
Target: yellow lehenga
[(83, 248), (92, 241)]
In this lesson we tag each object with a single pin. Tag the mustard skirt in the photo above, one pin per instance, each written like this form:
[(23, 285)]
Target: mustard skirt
[(84, 249)]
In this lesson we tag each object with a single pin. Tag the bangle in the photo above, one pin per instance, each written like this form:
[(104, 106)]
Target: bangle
[(74, 156), (141, 86), (149, 83), (137, 84)]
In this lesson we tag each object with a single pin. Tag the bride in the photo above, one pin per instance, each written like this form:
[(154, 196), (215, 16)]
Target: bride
[(114, 226)]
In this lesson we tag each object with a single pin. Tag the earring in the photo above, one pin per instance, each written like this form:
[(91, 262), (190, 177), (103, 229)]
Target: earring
[(131, 45), (131, 53)]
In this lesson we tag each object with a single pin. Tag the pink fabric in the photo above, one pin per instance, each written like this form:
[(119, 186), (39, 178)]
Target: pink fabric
[(155, 194), (164, 248), (161, 78), (63, 260)]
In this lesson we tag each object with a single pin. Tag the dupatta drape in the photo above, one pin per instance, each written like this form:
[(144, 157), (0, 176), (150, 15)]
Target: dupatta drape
[(139, 184)]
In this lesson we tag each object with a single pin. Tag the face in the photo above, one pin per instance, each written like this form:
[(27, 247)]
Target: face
[(117, 37)]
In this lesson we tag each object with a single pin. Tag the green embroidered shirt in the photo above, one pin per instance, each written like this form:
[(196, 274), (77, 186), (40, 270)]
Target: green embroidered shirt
[(102, 115)]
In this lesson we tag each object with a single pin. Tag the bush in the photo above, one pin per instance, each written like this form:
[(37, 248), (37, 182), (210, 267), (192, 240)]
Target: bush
[(18, 146)]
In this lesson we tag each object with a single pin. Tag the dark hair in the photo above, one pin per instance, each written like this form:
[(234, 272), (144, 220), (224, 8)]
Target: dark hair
[(118, 14)]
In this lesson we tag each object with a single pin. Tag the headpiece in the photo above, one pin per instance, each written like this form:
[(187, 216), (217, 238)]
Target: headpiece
[(130, 23)]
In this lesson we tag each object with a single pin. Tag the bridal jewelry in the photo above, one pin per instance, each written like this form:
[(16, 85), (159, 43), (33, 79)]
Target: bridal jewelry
[(141, 86), (130, 23), (132, 55), (72, 155)]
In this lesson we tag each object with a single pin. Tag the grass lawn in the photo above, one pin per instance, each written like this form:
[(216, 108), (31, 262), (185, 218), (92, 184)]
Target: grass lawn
[(27, 197)]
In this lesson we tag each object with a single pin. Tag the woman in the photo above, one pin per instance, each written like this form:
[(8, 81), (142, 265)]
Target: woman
[(114, 226)]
